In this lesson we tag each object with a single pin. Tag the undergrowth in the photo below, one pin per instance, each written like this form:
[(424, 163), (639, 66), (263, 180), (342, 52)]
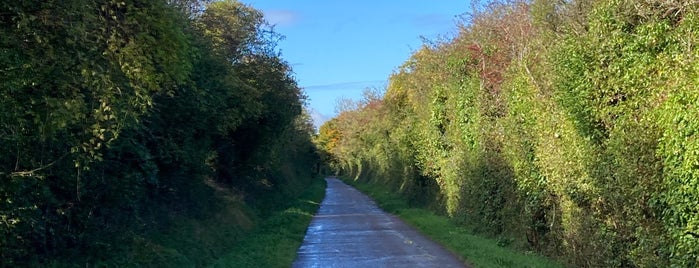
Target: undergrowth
[(236, 235), (275, 242)]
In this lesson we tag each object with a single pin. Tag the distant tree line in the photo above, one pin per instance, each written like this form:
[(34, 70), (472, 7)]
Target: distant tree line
[(114, 114), (566, 127)]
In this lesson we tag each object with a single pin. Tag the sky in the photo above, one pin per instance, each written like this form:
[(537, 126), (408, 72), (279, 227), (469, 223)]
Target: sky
[(338, 48)]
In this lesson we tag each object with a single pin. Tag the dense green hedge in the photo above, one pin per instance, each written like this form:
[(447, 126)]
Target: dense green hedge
[(119, 117), (570, 127)]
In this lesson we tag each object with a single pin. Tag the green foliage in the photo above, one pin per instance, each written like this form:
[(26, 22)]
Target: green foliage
[(118, 118), (275, 242), (678, 147), (566, 128), (615, 85)]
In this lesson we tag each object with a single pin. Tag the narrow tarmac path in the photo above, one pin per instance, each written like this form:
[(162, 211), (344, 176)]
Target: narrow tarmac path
[(349, 230)]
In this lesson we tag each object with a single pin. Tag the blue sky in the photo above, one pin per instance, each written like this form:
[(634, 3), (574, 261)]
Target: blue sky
[(339, 48)]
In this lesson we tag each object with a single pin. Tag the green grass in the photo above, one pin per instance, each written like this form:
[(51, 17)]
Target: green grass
[(476, 250), (233, 236), (275, 242)]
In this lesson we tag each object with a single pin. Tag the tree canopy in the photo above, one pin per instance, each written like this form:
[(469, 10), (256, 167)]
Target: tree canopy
[(114, 112)]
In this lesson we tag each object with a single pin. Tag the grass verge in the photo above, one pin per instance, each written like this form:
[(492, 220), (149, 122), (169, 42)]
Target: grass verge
[(476, 250), (275, 242)]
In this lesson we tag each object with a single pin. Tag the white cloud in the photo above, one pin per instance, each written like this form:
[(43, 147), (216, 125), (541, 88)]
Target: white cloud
[(434, 20), (346, 85), (281, 17), (318, 118)]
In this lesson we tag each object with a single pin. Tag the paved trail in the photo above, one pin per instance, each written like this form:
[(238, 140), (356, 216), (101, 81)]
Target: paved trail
[(349, 230)]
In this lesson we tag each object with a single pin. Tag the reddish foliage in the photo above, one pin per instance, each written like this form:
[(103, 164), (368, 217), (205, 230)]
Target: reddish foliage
[(507, 29)]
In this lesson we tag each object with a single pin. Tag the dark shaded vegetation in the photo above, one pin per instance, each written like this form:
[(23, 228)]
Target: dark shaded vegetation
[(143, 132), (567, 128), (275, 242)]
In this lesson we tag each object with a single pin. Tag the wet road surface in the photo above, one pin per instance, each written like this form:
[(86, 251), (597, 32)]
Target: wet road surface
[(349, 230)]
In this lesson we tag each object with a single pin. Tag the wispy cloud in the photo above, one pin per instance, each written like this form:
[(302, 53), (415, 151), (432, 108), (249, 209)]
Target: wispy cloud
[(318, 118), (281, 17), (347, 85), (434, 20)]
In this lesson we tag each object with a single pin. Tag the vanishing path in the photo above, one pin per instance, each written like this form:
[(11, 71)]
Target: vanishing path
[(349, 230)]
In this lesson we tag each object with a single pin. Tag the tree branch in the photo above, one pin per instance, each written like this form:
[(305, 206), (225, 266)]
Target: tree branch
[(31, 172)]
